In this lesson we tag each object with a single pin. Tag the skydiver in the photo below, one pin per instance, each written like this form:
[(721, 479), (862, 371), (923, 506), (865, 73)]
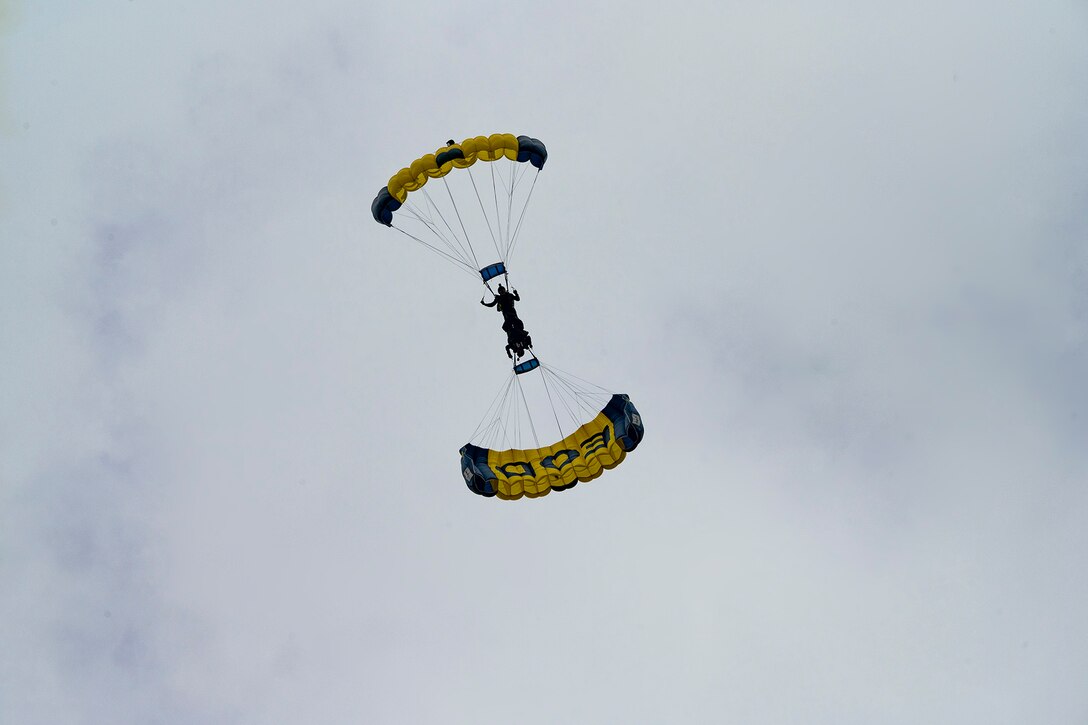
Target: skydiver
[(515, 349), (517, 342), (512, 325), (504, 301)]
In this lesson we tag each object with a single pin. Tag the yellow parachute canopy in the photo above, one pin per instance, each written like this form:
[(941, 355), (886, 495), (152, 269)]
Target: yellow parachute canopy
[(444, 160), (585, 454), (469, 225)]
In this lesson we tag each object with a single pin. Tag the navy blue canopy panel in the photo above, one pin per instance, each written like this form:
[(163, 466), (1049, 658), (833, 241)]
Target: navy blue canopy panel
[(383, 207), (532, 150)]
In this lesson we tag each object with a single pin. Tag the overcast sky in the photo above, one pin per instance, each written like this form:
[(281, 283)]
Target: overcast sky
[(837, 253)]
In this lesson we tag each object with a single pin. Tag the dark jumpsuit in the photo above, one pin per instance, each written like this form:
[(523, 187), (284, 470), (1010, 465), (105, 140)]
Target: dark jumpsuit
[(511, 324)]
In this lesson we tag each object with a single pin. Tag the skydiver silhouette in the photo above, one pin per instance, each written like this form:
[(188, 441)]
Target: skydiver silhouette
[(504, 301), (517, 342), (518, 339)]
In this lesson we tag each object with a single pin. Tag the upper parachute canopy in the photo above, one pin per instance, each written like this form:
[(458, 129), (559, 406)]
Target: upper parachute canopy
[(432, 166)]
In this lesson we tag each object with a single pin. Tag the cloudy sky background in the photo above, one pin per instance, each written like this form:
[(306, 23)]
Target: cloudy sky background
[(838, 256)]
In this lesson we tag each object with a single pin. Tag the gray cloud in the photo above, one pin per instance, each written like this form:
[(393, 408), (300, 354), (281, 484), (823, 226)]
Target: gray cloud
[(842, 259)]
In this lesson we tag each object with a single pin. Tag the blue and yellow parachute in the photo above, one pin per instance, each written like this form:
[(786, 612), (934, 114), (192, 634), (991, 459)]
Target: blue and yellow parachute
[(593, 448), (454, 156), (475, 224)]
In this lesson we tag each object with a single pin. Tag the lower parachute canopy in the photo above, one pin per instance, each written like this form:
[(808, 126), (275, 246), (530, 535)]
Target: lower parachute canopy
[(585, 454)]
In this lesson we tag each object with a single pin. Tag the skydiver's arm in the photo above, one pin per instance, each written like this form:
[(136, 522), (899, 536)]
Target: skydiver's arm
[(517, 297)]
